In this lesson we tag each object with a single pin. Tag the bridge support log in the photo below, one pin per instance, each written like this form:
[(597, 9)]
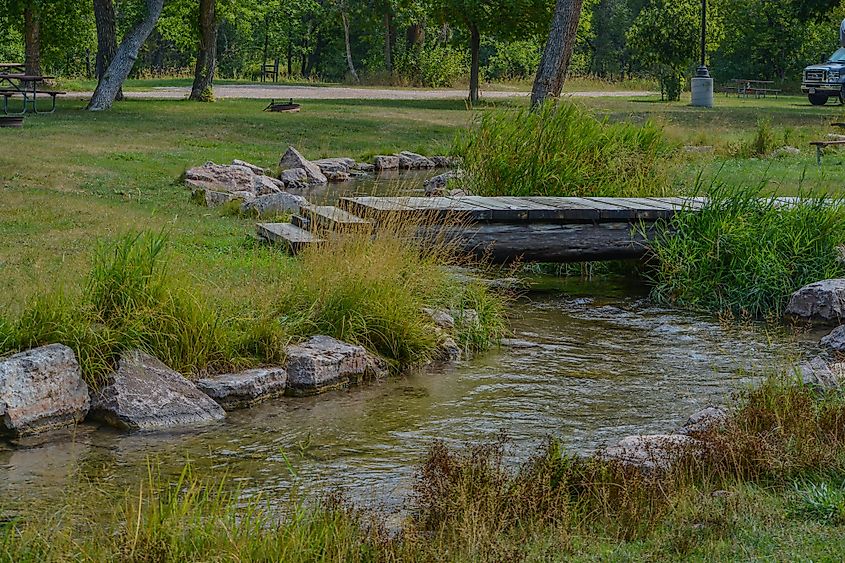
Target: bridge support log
[(544, 242)]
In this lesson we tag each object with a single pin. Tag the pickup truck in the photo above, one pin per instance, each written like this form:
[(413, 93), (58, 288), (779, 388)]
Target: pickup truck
[(827, 80)]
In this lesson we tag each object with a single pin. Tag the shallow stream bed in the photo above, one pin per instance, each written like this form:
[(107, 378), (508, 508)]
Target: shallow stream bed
[(604, 363)]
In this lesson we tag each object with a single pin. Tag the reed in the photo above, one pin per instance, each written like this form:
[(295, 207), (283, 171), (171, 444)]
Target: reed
[(744, 254), (561, 149)]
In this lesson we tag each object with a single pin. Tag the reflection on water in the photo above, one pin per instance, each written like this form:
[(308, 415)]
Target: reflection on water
[(387, 183), (607, 365)]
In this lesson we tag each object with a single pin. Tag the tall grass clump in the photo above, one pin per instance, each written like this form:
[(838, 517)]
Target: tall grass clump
[(130, 300), (744, 253), (371, 290), (561, 149)]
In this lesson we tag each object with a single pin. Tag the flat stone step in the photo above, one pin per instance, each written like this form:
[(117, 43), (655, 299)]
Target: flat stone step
[(291, 236), (301, 222), (334, 218)]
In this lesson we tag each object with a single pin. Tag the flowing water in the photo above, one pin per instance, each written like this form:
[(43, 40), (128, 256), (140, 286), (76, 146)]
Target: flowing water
[(604, 363)]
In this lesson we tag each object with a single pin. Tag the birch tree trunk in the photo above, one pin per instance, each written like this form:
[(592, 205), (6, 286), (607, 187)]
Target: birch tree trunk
[(32, 39), (345, 18), (558, 52), (124, 59), (475, 48), (106, 37), (202, 89)]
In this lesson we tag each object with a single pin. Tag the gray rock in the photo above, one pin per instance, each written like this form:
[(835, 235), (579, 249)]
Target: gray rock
[(331, 165), (448, 351), (835, 341), (376, 367), (708, 418), (338, 176), (652, 452), (466, 317), (253, 168), (412, 161), (265, 185), (364, 167), (818, 373), (274, 204), (234, 391), (386, 163), (786, 151), (41, 390), (292, 159), (145, 394), (821, 302), (441, 319), (220, 178), (437, 185), (322, 364), (518, 344), (294, 178), (445, 161)]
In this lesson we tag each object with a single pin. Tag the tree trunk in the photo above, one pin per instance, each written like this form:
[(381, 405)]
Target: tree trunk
[(106, 38), (349, 63), (475, 48), (558, 52), (32, 39), (415, 35), (202, 89), (124, 58), (388, 42)]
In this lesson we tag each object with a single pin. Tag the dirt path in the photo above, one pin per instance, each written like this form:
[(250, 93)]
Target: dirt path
[(262, 92)]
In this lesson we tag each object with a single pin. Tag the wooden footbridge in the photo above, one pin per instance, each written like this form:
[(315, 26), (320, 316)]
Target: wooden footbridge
[(504, 229)]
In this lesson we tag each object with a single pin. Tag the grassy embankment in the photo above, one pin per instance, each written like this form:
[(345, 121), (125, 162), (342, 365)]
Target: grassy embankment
[(742, 254), (766, 484)]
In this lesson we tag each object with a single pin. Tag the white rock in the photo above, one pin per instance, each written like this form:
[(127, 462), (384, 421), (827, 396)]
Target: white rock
[(322, 364), (292, 159), (244, 389), (255, 169), (41, 390), (145, 394)]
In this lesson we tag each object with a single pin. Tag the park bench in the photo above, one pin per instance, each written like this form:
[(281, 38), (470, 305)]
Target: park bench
[(821, 145), (10, 93)]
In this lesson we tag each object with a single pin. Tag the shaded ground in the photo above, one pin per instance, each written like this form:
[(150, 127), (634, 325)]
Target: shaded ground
[(267, 91)]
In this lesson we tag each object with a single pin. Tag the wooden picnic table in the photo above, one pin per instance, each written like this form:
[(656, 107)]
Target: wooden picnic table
[(746, 87), (17, 67), (26, 86)]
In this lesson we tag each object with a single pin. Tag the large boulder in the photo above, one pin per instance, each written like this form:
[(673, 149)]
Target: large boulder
[(707, 419), (821, 302), (652, 452), (412, 161), (835, 341), (292, 159), (244, 389), (335, 165), (383, 162), (445, 161), (216, 184), (41, 390), (322, 364), (255, 169), (145, 394), (294, 178), (274, 204)]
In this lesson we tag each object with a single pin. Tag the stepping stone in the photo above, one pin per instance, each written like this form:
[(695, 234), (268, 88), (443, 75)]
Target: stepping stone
[(335, 219), (244, 389), (292, 237)]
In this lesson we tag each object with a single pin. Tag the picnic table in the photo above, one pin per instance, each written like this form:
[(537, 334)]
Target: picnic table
[(28, 87), (12, 67), (747, 87)]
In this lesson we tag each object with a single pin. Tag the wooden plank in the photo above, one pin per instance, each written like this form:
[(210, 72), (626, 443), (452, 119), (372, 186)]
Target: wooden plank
[(609, 211), (645, 209), (335, 218), (370, 207), (570, 208), (291, 236), (526, 210), (446, 207)]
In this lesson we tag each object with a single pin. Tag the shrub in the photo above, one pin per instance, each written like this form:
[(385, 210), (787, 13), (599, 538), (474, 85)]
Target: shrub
[(438, 66), (513, 60), (745, 254), (560, 149)]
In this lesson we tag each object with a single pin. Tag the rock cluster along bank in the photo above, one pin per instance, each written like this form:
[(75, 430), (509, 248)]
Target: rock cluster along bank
[(822, 304), (261, 192), (42, 389)]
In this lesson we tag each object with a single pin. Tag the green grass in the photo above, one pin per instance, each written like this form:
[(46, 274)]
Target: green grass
[(768, 486), (560, 149), (743, 254)]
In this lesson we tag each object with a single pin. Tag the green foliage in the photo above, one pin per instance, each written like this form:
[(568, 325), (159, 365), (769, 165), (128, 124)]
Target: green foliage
[(437, 66), (515, 60), (560, 149), (821, 501), (744, 254)]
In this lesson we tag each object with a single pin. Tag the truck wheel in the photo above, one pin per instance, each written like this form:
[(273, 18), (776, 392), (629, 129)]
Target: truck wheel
[(817, 99)]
